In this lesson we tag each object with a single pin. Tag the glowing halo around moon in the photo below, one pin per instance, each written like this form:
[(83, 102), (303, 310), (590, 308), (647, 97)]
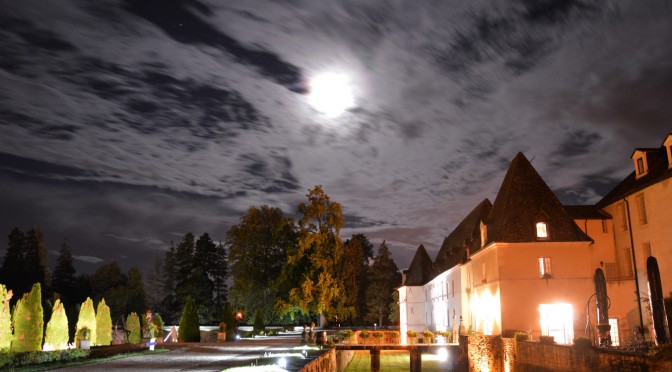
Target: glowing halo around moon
[(330, 94)]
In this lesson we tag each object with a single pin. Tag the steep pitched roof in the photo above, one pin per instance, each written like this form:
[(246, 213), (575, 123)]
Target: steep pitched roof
[(420, 271), (586, 212), (467, 235), (658, 171), (523, 200)]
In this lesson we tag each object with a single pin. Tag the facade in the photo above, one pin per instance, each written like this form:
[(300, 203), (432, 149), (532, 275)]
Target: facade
[(526, 262)]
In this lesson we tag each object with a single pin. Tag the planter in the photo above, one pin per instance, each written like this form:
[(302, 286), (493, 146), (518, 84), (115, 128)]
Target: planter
[(221, 336), (85, 344)]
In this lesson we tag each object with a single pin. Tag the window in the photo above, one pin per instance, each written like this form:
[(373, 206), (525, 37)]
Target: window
[(452, 286), (544, 267), (604, 226), (557, 320), (627, 263), (641, 209), (640, 166), (623, 218), (542, 230), (646, 250), (615, 340), (484, 271)]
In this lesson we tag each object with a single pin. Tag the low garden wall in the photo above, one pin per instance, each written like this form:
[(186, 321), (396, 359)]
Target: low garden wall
[(497, 354), (324, 363)]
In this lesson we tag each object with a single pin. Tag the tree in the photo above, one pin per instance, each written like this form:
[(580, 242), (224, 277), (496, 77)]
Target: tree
[(384, 278), (35, 263), (87, 319), (189, 328), (169, 306), (64, 273), (320, 289), (229, 319), (29, 321), (103, 324), (354, 271), (12, 270), (135, 292), (155, 280), (5, 318), (133, 325), (394, 308), (57, 328), (258, 247), (258, 327)]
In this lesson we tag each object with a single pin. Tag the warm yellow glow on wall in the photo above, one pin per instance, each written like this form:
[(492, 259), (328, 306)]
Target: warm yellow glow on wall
[(487, 308), (557, 320)]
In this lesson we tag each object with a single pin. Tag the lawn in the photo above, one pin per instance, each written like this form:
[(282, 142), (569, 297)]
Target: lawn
[(393, 361)]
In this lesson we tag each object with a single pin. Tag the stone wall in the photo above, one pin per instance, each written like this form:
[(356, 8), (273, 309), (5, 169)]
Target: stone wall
[(324, 363), (533, 356), (486, 353)]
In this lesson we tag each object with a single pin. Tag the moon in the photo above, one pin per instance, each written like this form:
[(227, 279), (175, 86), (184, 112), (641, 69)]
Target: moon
[(331, 94)]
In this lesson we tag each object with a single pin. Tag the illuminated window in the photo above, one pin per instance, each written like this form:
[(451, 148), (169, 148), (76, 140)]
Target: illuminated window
[(641, 208), (557, 320), (615, 340), (542, 230), (545, 267)]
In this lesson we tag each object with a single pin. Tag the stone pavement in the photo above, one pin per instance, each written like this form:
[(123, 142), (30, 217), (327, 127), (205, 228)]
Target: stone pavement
[(196, 356)]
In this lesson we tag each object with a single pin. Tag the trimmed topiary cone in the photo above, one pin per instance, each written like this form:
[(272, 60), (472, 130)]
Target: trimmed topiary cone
[(86, 319), (57, 328), (189, 331), (28, 321), (5, 318), (103, 324)]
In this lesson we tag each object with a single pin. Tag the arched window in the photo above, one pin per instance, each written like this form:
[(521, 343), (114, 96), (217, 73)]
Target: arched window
[(542, 230)]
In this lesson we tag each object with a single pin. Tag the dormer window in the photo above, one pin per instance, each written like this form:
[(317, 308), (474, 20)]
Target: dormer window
[(641, 165), (668, 147), (542, 230)]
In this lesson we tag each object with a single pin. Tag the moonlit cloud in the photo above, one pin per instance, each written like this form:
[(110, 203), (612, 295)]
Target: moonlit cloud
[(126, 124)]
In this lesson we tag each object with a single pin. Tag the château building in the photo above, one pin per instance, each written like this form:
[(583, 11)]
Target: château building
[(526, 262)]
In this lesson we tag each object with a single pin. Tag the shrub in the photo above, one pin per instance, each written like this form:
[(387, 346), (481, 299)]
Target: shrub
[(28, 321), (411, 333), (157, 321), (57, 328), (347, 335), (133, 326), (258, 326), (5, 318), (222, 327), (378, 335), (11, 360), (364, 335), (582, 343), (189, 331), (87, 319), (103, 324), (428, 336), (547, 340), (521, 336)]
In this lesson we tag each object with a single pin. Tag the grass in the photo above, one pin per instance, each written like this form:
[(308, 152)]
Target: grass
[(94, 360), (391, 361)]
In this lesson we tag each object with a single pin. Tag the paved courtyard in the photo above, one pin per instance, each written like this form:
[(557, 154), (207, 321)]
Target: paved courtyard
[(197, 356)]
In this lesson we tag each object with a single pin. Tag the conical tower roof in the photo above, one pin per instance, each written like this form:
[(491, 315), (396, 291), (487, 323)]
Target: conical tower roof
[(420, 271), (523, 200)]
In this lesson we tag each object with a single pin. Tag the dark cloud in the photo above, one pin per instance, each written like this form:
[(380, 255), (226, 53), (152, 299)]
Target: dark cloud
[(177, 19), (579, 142)]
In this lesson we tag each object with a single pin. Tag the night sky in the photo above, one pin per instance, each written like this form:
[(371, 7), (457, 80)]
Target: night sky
[(126, 124)]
